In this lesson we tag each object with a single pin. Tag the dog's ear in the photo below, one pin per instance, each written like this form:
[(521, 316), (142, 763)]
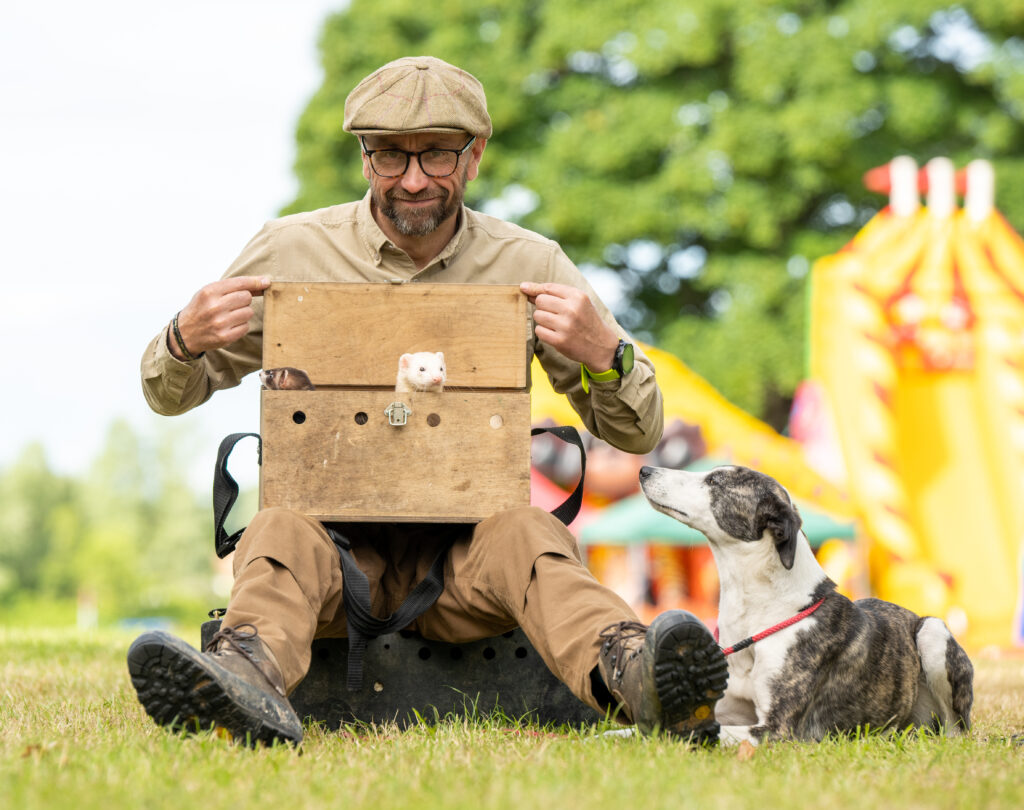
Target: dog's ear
[(783, 521)]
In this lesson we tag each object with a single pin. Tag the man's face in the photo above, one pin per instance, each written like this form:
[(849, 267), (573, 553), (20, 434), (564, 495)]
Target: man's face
[(415, 203)]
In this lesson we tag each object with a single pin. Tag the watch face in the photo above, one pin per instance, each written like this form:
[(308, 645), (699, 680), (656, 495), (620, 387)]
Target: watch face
[(624, 358)]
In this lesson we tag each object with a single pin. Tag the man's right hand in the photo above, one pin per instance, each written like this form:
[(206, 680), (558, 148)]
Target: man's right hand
[(218, 314)]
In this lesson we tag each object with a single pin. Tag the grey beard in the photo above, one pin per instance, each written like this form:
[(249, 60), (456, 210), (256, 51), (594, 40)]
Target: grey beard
[(426, 221)]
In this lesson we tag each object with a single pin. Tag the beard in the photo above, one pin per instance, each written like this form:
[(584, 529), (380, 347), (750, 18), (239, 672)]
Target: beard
[(419, 221)]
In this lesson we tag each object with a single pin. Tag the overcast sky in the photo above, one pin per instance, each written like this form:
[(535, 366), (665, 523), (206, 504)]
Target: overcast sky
[(141, 145)]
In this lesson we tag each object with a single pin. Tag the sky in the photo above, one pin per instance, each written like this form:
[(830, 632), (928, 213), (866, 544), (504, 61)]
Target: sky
[(141, 146)]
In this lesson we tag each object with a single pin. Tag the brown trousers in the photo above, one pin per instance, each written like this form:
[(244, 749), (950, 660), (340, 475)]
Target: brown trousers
[(519, 568)]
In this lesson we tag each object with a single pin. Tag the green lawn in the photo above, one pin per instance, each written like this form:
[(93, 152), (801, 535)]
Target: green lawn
[(73, 736)]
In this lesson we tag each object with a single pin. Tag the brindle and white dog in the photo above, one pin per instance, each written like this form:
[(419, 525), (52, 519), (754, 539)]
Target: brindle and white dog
[(846, 665)]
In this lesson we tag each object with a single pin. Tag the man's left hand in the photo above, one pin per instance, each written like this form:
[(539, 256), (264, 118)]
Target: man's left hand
[(565, 319)]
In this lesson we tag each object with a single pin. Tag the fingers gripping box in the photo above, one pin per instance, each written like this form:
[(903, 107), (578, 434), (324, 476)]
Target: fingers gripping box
[(354, 449)]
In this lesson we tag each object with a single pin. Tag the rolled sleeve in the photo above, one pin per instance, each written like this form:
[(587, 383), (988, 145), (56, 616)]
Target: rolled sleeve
[(172, 386), (628, 412)]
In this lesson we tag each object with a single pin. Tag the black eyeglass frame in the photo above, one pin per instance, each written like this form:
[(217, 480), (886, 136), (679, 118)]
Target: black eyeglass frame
[(408, 155)]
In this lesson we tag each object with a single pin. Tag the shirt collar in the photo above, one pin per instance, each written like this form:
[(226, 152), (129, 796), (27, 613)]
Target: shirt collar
[(375, 240)]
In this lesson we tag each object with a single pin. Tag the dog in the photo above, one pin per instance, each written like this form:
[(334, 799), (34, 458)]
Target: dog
[(842, 665)]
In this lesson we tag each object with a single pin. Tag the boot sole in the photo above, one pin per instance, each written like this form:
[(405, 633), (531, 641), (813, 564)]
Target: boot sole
[(183, 691), (689, 674)]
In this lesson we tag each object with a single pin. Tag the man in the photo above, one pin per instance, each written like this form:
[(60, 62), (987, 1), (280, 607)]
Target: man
[(423, 126)]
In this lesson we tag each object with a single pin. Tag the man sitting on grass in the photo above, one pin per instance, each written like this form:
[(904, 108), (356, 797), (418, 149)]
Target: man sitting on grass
[(423, 126)]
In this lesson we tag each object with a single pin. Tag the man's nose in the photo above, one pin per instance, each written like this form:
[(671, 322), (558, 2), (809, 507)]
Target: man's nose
[(414, 179)]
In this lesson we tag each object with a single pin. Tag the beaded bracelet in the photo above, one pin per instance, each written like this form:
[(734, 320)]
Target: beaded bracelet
[(180, 341)]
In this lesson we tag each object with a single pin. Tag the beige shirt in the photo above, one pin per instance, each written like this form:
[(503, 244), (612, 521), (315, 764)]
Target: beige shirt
[(344, 243)]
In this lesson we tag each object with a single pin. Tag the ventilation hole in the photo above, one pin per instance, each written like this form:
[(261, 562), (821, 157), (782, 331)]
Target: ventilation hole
[(387, 646), (378, 686), (433, 420), (509, 634), (489, 653), (424, 653), (520, 652), (323, 654), (298, 417), (455, 653), (405, 633), (362, 418)]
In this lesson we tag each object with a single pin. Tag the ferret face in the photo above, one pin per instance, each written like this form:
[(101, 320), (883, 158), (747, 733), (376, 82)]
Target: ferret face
[(286, 379), (422, 371)]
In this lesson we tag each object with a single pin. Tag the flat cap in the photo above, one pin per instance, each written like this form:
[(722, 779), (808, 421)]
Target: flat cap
[(417, 94)]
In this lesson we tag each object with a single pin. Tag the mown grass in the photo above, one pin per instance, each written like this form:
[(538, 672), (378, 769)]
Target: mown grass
[(72, 735)]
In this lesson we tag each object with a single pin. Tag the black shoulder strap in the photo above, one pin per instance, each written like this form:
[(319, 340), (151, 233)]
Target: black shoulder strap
[(570, 507), (362, 624), (225, 492)]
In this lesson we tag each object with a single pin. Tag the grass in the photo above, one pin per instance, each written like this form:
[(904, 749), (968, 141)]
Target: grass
[(73, 736)]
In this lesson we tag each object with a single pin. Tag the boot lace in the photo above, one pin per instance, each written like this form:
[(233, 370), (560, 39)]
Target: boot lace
[(238, 641), (616, 645)]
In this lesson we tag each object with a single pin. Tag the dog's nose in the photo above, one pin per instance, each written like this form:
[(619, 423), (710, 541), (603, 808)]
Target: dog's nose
[(645, 472)]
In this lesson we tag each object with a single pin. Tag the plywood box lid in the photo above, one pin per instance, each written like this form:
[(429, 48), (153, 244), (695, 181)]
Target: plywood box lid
[(346, 334)]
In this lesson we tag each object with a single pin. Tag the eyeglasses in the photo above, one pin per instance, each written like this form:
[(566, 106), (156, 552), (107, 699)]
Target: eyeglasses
[(433, 162)]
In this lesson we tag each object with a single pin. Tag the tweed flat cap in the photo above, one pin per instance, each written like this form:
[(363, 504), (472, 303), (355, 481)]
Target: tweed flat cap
[(417, 94)]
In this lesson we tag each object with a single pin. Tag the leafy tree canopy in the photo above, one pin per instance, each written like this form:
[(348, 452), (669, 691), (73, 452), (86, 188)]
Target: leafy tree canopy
[(706, 151)]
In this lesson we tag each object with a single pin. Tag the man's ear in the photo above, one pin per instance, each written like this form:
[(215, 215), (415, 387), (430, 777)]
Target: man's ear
[(476, 152)]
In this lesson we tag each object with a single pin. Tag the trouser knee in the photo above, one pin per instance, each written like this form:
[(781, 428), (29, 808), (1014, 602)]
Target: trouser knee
[(289, 538)]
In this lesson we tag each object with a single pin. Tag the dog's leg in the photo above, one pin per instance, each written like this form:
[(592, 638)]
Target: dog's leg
[(946, 691), (732, 710), (734, 735)]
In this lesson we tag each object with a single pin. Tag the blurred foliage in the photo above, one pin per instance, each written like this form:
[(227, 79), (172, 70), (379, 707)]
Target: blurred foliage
[(128, 539), (707, 151)]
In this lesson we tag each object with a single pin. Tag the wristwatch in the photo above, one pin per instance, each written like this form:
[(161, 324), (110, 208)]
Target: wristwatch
[(621, 366)]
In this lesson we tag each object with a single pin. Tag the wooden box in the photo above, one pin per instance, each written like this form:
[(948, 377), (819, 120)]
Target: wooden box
[(334, 453)]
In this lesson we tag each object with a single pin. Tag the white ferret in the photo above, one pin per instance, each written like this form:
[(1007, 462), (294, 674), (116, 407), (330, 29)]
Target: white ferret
[(421, 371)]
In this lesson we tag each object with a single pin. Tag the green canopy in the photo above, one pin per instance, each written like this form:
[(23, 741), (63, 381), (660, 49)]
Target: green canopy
[(634, 520)]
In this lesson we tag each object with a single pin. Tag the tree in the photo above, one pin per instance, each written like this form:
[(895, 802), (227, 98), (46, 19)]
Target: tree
[(130, 535), (706, 151), (30, 493)]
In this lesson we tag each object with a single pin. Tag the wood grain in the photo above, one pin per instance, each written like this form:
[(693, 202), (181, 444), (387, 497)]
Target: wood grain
[(462, 456), (353, 334)]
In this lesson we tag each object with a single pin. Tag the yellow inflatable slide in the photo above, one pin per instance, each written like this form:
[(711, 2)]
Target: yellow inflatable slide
[(917, 344)]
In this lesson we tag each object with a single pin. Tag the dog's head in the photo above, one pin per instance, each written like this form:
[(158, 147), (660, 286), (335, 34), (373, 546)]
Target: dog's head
[(727, 505)]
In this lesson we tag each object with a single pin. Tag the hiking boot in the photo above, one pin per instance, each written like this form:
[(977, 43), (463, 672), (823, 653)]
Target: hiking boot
[(235, 685), (667, 677)]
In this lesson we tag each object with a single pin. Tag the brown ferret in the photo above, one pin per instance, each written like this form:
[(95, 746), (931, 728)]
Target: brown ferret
[(286, 379)]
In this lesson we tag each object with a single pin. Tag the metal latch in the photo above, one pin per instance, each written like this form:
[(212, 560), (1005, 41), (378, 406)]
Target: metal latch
[(397, 414)]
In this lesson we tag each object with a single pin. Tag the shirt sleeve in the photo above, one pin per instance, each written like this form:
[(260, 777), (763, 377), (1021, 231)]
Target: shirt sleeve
[(173, 386), (628, 412)]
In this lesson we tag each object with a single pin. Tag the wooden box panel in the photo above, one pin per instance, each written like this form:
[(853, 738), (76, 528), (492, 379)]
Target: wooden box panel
[(353, 334), (463, 455)]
